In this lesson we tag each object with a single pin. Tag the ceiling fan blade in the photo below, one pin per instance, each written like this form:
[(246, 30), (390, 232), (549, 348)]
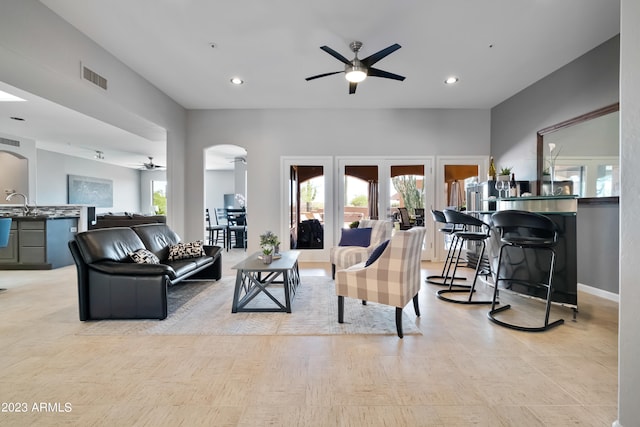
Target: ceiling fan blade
[(323, 75), (372, 59), (352, 88), (387, 75), (335, 54)]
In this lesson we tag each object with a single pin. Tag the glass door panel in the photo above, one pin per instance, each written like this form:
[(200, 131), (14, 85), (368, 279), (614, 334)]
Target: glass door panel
[(406, 190), (306, 207), (374, 188), (360, 194)]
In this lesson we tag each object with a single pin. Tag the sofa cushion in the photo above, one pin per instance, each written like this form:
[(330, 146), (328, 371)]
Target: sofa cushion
[(355, 237), (157, 238), (144, 256), (108, 244), (186, 250), (375, 254)]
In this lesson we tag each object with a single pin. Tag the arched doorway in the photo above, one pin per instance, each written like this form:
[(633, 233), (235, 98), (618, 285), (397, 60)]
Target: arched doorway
[(225, 178)]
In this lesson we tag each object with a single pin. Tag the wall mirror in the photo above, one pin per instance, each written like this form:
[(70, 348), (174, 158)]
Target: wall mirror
[(584, 151)]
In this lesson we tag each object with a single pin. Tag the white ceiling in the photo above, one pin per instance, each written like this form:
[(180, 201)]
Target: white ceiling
[(495, 47)]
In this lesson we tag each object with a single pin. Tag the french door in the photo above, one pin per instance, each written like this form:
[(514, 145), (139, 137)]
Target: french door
[(307, 206), (375, 187)]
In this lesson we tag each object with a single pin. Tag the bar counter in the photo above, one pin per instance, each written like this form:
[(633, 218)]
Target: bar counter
[(562, 210)]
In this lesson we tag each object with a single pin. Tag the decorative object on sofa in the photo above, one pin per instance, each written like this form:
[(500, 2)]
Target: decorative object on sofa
[(186, 250), (144, 256), (85, 190), (346, 256), (110, 286), (392, 279)]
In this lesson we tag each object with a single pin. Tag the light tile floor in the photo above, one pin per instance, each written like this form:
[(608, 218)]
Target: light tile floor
[(462, 371)]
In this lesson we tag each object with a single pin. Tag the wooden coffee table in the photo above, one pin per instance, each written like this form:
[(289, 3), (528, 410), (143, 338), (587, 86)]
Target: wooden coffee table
[(255, 277)]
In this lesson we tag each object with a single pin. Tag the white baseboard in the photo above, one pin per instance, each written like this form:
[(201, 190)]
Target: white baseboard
[(599, 292), (616, 423)]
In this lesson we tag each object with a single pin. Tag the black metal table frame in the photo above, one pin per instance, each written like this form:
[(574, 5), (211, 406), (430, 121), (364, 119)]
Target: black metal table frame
[(251, 281)]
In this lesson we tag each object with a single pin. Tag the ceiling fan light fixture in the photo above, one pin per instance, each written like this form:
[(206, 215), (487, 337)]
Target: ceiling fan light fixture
[(355, 74)]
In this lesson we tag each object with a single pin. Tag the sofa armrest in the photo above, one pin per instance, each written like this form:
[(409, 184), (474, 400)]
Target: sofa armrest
[(212, 251), (132, 268)]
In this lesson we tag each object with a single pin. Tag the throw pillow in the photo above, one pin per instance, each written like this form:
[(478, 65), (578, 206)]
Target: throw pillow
[(144, 256), (186, 250), (376, 253), (355, 237)]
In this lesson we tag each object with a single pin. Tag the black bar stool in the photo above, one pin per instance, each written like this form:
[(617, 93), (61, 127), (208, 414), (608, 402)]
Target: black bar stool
[(525, 230), (448, 229), (465, 221)]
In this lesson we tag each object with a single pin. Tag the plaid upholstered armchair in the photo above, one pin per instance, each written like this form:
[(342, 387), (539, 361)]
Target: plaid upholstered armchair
[(393, 278), (346, 256)]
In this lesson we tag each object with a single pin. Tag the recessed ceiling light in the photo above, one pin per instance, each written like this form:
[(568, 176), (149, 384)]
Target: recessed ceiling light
[(7, 97), (237, 81), (451, 80), (212, 45)]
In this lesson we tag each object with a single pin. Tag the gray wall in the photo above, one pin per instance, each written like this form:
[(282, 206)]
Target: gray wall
[(269, 134), (14, 176), (597, 229), (53, 169), (26, 150), (585, 84), (217, 184), (51, 71)]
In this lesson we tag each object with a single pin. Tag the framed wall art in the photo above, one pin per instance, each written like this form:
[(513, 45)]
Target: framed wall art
[(85, 190)]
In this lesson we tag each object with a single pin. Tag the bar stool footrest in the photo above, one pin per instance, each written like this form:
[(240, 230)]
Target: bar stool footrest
[(441, 296), (546, 327), (430, 279)]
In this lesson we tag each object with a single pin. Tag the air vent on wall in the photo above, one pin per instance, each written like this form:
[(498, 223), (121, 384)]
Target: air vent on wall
[(94, 77), (11, 142)]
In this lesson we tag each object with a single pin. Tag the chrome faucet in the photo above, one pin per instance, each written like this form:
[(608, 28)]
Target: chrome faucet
[(26, 203)]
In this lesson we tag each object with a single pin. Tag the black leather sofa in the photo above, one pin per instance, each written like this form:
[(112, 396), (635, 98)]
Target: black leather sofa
[(112, 286), (125, 220)]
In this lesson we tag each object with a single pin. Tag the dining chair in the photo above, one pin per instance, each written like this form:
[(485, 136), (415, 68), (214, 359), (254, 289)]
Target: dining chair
[(215, 231)]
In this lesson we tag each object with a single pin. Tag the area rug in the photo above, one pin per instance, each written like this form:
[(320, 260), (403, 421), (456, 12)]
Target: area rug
[(204, 308)]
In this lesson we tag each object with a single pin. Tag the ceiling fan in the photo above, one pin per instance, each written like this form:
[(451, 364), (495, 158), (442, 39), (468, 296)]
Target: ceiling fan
[(357, 69), (150, 165)]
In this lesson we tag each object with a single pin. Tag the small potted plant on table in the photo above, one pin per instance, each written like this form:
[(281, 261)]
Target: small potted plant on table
[(270, 244), (505, 174)]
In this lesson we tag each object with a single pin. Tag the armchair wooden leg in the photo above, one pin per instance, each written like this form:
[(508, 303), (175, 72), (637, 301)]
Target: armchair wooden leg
[(340, 309), (399, 321), (364, 302), (333, 272), (416, 307)]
